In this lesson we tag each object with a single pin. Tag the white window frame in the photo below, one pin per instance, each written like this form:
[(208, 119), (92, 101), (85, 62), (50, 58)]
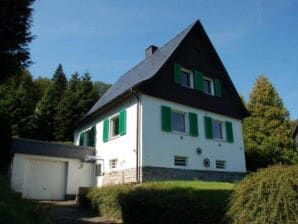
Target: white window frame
[(185, 128), (181, 157), (222, 130), (113, 163), (211, 85), (191, 79), (111, 134)]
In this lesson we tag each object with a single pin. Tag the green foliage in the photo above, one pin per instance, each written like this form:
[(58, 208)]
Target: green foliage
[(41, 84), (15, 23), (267, 196), (15, 210), (47, 107), (18, 96), (76, 101), (163, 202), (267, 132), (5, 140)]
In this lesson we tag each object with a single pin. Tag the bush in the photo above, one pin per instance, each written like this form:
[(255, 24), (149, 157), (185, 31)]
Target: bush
[(15, 210), (267, 196), (163, 202)]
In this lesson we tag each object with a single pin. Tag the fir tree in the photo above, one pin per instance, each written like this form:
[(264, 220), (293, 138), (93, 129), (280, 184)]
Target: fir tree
[(15, 35), (267, 132), (48, 106), (77, 100), (18, 96)]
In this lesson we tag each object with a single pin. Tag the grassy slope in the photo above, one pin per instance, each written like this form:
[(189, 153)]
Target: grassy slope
[(13, 209)]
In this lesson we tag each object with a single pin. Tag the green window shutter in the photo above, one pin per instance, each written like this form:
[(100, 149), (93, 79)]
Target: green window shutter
[(122, 122), (177, 71), (91, 137), (193, 124), (166, 118), (106, 130), (208, 127), (82, 138), (217, 87), (229, 131), (199, 81)]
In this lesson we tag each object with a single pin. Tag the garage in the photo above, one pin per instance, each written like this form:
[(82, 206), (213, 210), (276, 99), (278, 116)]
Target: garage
[(50, 171), (45, 179)]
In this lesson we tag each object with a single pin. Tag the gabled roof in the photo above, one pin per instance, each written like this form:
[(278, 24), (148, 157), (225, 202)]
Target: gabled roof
[(143, 71), (54, 149)]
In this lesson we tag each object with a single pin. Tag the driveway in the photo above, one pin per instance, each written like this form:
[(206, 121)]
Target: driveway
[(67, 212)]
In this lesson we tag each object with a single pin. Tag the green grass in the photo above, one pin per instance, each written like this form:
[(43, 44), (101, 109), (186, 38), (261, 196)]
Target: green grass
[(163, 202), (13, 209)]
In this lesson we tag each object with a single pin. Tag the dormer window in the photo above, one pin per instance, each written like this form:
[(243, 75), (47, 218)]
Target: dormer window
[(208, 87)]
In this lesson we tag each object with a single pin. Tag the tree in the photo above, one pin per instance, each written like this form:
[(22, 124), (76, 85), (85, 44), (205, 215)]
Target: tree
[(77, 100), (101, 87), (47, 107), (267, 132), (41, 84), (15, 35), (18, 96), (5, 140)]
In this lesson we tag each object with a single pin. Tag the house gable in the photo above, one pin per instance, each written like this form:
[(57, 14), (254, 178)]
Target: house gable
[(196, 54)]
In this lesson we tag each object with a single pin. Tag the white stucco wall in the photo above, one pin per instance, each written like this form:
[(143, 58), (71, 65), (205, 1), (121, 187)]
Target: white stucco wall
[(159, 147), (122, 148), (78, 174)]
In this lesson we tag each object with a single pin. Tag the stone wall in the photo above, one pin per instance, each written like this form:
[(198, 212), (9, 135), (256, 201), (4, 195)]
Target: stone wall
[(120, 177), (161, 173)]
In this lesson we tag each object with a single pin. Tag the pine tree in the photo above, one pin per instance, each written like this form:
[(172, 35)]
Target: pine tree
[(48, 106), (15, 35), (77, 100), (18, 96), (267, 132), (67, 114)]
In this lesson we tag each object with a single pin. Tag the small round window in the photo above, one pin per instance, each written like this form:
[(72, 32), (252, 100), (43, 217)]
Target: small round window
[(206, 162)]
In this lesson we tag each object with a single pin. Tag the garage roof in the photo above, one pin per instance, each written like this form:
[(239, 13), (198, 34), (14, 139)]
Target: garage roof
[(54, 149)]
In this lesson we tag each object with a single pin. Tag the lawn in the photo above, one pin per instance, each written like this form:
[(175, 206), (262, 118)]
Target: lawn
[(13, 209), (163, 202)]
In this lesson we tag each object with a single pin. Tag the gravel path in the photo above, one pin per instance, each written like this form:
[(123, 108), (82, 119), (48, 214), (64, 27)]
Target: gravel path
[(67, 212)]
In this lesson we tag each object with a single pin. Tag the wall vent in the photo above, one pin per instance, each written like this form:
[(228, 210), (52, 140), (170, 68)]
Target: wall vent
[(220, 164)]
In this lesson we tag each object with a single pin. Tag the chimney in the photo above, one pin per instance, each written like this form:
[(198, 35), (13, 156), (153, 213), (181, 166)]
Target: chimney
[(150, 50)]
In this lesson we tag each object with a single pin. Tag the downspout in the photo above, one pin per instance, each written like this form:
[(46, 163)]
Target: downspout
[(137, 137)]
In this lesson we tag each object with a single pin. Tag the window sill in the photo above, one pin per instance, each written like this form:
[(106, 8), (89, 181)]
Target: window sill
[(180, 133), (114, 137)]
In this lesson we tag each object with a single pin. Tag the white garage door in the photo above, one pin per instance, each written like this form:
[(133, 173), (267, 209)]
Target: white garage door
[(45, 180)]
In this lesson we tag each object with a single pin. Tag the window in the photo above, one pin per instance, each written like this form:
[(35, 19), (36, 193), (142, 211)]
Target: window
[(208, 86), (88, 138), (98, 171), (185, 79), (113, 163), (220, 164), (180, 161), (217, 129), (115, 126), (178, 121)]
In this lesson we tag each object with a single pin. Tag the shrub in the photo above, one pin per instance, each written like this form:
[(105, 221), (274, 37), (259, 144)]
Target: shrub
[(163, 202), (15, 210), (267, 196)]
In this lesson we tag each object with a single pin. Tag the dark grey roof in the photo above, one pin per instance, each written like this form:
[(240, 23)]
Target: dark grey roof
[(143, 71), (43, 148)]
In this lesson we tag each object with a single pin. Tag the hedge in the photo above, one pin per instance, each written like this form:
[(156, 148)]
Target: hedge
[(163, 202)]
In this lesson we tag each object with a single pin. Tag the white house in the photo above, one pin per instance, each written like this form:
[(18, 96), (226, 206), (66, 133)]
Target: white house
[(175, 115)]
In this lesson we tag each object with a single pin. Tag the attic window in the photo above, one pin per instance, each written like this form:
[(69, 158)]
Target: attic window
[(208, 86)]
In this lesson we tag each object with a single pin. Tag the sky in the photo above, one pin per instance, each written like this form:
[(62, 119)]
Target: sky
[(107, 37)]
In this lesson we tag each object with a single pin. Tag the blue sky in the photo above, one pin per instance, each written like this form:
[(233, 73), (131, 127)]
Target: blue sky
[(107, 38)]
